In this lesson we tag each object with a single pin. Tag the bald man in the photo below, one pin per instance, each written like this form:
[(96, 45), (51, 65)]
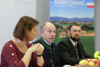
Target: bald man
[(50, 55)]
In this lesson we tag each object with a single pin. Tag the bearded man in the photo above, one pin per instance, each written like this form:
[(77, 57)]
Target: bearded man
[(71, 50)]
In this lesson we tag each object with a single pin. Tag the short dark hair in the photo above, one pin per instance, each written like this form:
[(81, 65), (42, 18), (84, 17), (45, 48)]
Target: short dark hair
[(69, 28), (25, 23)]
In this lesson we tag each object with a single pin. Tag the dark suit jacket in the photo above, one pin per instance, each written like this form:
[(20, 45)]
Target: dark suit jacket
[(68, 54), (50, 55)]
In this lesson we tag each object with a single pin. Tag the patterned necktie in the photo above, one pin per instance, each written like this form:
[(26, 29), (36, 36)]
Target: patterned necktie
[(76, 51)]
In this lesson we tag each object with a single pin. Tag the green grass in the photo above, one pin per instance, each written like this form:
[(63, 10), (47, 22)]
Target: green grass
[(57, 40), (89, 44), (90, 31), (64, 24)]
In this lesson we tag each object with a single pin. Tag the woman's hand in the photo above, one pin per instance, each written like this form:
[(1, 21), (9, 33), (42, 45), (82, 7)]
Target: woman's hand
[(37, 47), (33, 48), (40, 49)]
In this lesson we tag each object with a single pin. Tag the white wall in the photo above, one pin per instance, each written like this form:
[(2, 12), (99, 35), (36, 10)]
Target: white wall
[(10, 12)]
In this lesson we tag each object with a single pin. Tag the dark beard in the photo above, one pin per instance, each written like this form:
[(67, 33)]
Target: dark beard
[(74, 39)]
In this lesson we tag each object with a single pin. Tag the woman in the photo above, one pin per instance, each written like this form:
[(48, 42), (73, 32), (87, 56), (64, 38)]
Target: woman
[(18, 52)]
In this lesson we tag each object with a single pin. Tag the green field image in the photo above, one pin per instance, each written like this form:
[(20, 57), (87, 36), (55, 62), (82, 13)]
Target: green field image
[(88, 41), (64, 24), (90, 31)]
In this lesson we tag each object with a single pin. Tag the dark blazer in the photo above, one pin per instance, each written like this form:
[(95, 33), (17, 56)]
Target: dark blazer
[(50, 54), (67, 52)]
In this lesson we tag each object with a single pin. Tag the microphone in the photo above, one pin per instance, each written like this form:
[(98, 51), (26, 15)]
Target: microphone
[(97, 55)]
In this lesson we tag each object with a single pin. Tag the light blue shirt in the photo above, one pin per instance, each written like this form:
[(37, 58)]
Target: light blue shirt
[(47, 42)]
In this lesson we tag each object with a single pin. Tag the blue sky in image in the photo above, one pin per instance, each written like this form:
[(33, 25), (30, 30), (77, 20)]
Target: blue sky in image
[(64, 10)]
